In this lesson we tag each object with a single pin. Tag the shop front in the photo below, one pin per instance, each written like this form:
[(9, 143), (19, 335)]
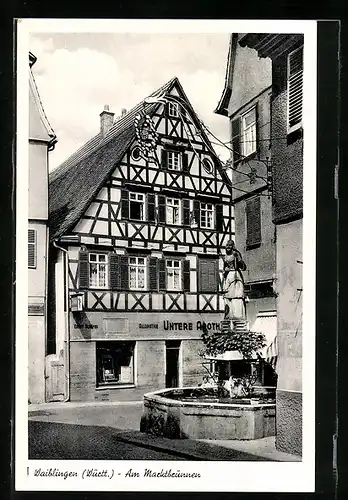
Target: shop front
[(117, 356)]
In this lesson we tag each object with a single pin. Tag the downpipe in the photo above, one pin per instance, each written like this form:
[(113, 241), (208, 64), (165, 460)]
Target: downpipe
[(67, 322)]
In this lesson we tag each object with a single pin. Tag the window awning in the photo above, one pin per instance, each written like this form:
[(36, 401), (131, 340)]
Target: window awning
[(266, 323)]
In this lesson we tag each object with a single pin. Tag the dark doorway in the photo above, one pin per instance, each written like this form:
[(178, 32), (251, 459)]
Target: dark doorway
[(172, 363)]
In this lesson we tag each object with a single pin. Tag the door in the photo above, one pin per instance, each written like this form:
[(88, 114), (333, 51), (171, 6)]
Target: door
[(172, 363), (55, 378)]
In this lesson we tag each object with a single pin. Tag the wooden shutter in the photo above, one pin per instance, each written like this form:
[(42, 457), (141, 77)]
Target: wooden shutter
[(83, 269), (253, 221), (186, 212), (164, 159), (208, 275), (166, 109), (295, 87), (32, 248), (162, 274), (219, 222), (186, 275), (236, 142), (123, 270), (197, 212), (114, 271), (124, 204), (184, 159), (161, 208), (153, 275), (151, 207)]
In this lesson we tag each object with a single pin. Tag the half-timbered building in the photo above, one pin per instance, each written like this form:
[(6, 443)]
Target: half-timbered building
[(135, 266)]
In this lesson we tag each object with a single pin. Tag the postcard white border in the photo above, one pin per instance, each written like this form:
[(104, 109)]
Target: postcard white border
[(215, 476)]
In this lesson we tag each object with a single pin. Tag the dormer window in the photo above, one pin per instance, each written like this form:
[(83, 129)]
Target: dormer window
[(173, 110)]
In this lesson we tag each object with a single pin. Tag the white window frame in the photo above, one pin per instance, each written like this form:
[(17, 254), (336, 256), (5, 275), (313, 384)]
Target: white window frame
[(174, 160), (139, 198), (98, 263), (171, 204), (137, 266), (173, 110), (34, 244), (249, 146), (300, 123), (170, 279), (204, 209)]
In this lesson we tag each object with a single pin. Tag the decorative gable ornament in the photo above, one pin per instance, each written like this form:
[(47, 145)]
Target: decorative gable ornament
[(147, 136)]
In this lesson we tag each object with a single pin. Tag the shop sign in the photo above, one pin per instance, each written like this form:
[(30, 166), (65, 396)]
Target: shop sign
[(183, 326)]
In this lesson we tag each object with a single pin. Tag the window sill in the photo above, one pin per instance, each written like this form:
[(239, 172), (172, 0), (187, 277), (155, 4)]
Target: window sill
[(251, 156), (114, 386), (294, 134), (252, 247)]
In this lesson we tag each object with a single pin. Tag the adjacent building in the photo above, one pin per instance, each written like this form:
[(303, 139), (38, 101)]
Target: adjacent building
[(41, 141), (135, 244), (246, 102), (285, 51)]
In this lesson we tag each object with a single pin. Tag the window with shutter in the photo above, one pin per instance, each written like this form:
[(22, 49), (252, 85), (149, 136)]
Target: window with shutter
[(164, 159), (219, 223), (162, 274), (161, 208), (151, 207), (295, 89), (124, 204), (83, 270), (253, 222), (236, 142), (32, 248), (186, 275), (153, 274), (114, 275), (124, 280), (186, 213), (197, 212), (184, 160), (208, 275)]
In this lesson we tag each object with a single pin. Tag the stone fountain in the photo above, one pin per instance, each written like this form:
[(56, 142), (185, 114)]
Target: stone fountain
[(232, 408)]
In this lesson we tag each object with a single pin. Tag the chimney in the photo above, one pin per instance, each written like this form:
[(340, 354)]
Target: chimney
[(106, 120), (123, 112)]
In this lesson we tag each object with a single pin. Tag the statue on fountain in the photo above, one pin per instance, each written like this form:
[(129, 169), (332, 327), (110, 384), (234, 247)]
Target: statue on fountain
[(233, 283)]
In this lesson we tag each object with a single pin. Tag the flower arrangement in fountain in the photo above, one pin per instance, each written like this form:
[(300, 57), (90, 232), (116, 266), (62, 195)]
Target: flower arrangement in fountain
[(247, 343)]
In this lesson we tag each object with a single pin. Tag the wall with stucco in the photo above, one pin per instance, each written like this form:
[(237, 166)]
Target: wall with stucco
[(36, 359), (289, 313), (251, 76)]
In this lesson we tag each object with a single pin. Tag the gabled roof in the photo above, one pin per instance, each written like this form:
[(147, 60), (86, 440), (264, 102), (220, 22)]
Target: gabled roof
[(38, 125), (74, 184), (222, 106)]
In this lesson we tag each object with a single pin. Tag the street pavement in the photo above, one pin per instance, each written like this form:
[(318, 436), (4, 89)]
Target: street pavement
[(56, 441), (110, 431)]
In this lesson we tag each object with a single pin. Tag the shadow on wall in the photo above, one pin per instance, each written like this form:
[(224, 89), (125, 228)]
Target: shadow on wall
[(83, 324)]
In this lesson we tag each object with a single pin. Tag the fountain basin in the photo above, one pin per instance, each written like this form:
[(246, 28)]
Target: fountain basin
[(172, 413)]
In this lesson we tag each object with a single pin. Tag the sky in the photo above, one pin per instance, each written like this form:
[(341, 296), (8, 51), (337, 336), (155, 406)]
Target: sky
[(78, 73)]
